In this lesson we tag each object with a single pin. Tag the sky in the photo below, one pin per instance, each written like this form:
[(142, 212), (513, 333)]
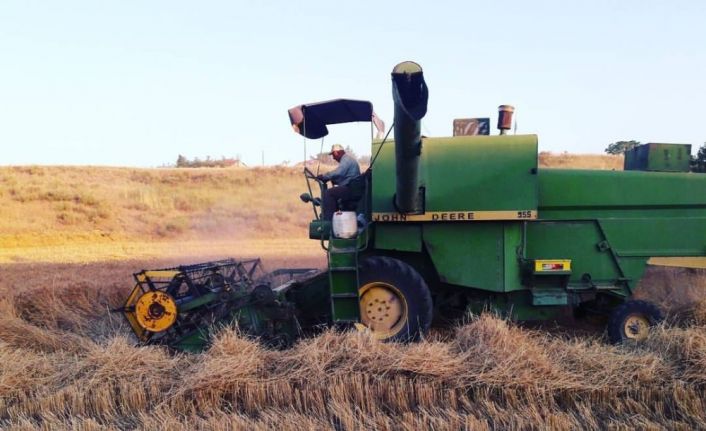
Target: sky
[(136, 83)]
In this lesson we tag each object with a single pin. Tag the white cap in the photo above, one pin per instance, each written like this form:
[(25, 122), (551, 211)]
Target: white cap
[(336, 147)]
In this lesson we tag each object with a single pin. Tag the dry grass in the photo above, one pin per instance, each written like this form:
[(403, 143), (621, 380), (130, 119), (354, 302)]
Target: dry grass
[(67, 363), (44, 206), (79, 252), (84, 214), (581, 161)]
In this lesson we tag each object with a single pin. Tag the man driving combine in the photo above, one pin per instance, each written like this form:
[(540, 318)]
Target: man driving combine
[(341, 177)]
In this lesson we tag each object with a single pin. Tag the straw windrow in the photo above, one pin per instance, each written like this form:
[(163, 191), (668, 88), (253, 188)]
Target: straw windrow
[(67, 364)]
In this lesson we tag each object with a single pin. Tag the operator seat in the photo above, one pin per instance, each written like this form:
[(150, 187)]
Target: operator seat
[(358, 187)]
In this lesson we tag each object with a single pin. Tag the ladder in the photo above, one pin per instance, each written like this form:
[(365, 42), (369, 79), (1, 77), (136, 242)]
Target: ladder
[(343, 280)]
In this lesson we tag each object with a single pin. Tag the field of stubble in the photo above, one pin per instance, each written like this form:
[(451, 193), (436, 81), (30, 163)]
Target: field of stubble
[(66, 362)]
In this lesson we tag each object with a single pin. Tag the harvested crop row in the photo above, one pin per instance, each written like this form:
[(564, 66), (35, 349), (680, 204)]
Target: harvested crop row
[(68, 364)]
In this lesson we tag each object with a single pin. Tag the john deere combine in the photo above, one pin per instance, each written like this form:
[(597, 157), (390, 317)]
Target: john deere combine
[(448, 225)]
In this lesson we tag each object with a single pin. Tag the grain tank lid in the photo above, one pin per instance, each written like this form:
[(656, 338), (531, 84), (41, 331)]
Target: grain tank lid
[(310, 120)]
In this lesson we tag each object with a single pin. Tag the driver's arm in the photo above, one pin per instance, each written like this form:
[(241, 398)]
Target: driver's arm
[(333, 175)]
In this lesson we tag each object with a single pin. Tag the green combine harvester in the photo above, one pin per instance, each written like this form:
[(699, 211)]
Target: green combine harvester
[(444, 226)]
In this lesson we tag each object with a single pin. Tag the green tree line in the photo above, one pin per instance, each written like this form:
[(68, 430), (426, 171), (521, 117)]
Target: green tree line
[(223, 162)]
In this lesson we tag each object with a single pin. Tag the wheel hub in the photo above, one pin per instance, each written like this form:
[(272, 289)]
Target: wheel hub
[(155, 311), (383, 309), (636, 327)]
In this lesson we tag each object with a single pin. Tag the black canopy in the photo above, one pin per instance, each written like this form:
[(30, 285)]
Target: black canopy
[(310, 120)]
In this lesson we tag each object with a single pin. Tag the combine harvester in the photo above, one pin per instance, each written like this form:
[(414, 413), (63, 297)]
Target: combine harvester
[(443, 226)]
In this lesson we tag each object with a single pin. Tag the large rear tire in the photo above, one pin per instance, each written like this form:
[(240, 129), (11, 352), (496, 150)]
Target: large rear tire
[(632, 321), (395, 302)]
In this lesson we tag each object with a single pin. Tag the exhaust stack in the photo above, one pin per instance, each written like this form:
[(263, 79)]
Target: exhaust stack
[(410, 95), (505, 118)]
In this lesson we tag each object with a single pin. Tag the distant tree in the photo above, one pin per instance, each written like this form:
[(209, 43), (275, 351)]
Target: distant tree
[(698, 162), (223, 162), (182, 162), (621, 147)]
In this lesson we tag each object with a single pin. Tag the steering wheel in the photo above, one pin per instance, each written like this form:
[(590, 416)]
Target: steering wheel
[(310, 175), (308, 197)]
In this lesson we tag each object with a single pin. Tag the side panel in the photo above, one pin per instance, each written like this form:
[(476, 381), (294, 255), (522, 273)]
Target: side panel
[(513, 251), (609, 194), (480, 173), (465, 178), (638, 215), (479, 255), (575, 240), (399, 237), (646, 237)]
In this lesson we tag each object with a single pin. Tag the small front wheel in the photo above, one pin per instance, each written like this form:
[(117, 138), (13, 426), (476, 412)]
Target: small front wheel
[(632, 321)]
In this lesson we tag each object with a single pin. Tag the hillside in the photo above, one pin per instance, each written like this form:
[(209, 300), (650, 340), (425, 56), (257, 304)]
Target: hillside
[(88, 213), (581, 161), (55, 203)]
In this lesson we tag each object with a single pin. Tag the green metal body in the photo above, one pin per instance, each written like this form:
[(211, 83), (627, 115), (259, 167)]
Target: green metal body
[(489, 213), (658, 157)]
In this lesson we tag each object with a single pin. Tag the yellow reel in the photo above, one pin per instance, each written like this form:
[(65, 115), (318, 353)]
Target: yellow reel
[(156, 311)]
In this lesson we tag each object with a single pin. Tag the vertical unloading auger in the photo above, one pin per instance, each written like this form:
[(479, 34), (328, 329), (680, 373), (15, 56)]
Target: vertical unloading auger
[(410, 95)]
